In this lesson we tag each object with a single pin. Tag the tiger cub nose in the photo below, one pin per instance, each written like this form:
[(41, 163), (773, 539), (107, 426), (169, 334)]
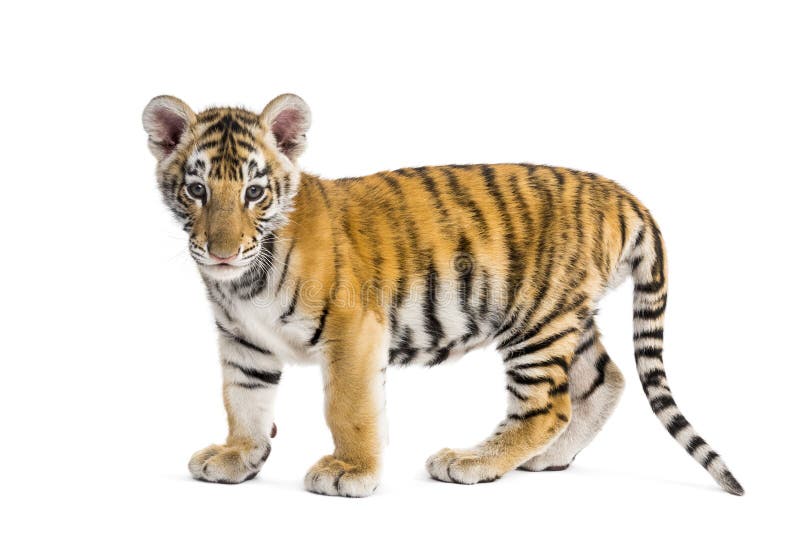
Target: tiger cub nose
[(222, 259)]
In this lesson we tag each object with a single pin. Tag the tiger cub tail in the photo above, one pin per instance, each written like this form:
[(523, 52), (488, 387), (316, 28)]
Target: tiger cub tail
[(648, 268)]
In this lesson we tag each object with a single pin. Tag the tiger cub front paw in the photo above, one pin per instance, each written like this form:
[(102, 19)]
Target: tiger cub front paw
[(233, 463), (331, 476)]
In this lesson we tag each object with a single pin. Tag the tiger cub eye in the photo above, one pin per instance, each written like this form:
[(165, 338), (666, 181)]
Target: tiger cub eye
[(197, 190), (253, 193)]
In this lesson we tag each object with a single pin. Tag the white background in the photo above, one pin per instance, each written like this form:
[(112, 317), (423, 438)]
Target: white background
[(109, 374)]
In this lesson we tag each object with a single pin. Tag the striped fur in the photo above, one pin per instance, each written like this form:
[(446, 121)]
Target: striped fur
[(413, 266)]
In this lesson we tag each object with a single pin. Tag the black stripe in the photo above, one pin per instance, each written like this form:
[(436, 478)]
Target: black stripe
[(226, 124), (651, 313), (599, 254), (430, 186), (242, 341), (584, 346), (558, 175), (678, 424), (652, 287), (657, 270), (318, 332), (622, 226), (560, 361), (538, 346), (404, 349), (640, 234), (654, 352), (461, 195), (634, 205), (510, 322), (254, 280), (578, 207), (601, 363), (655, 334), (465, 265), (267, 377), (561, 307), (710, 458), (522, 203), (485, 288), (202, 146), (661, 403), (441, 355), (562, 388), (515, 393), (249, 385), (432, 325), (292, 304), (244, 144), (654, 378), (393, 322), (694, 443), (530, 381), (532, 413), (285, 267), (217, 296), (600, 379)]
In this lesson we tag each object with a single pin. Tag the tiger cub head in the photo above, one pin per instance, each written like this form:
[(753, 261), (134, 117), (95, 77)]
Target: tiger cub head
[(228, 175)]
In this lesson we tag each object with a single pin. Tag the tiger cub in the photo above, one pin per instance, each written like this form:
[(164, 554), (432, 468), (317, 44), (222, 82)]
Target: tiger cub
[(413, 266)]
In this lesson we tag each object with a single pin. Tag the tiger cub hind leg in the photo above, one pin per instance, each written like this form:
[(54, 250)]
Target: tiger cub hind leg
[(595, 387), (539, 409)]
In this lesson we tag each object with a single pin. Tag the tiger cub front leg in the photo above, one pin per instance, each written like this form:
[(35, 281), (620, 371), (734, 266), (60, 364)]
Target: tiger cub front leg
[(250, 381), (354, 407)]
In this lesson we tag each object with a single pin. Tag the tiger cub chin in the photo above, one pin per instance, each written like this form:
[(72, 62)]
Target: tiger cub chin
[(413, 266)]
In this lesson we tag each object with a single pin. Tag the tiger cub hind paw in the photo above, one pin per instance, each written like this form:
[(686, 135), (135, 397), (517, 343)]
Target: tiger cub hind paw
[(229, 464), (331, 476), (461, 466), (547, 462)]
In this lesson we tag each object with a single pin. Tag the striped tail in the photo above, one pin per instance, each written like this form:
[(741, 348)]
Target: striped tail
[(648, 265)]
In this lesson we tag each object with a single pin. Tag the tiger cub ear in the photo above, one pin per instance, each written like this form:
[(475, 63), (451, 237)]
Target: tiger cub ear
[(288, 117), (166, 119)]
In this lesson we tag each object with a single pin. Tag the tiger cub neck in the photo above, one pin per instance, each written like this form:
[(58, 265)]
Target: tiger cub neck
[(282, 302)]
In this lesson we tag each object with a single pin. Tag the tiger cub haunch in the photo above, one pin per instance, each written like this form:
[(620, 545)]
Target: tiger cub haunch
[(408, 266)]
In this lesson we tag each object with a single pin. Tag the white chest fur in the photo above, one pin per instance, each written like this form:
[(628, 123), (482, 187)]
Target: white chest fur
[(261, 321)]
